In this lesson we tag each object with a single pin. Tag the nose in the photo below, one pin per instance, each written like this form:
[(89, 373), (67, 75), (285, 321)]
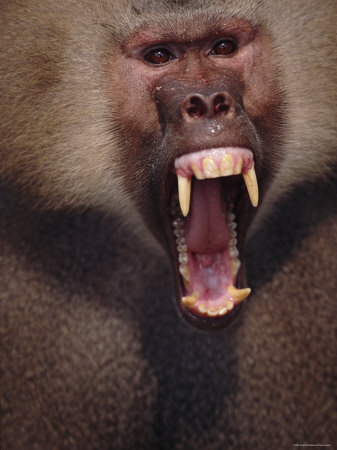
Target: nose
[(196, 106)]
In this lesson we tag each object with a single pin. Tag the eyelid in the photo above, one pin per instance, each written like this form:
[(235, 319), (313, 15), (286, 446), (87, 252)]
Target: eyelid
[(173, 51), (225, 38)]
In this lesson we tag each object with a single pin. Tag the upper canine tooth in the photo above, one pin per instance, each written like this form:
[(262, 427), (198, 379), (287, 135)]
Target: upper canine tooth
[(226, 168), (184, 191), (252, 187), (238, 294), (210, 168)]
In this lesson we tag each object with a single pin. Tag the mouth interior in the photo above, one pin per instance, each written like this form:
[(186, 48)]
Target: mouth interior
[(207, 244)]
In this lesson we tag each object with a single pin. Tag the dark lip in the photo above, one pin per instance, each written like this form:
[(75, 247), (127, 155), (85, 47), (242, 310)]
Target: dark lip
[(204, 323), (209, 324)]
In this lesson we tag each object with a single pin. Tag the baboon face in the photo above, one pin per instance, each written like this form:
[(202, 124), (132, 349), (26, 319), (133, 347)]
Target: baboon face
[(200, 110)]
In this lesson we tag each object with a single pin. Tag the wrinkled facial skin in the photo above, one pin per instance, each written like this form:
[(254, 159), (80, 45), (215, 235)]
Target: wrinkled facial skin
[(196, 89)]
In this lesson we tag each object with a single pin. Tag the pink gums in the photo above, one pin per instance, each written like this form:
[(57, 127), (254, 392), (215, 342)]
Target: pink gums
[(183, 164)]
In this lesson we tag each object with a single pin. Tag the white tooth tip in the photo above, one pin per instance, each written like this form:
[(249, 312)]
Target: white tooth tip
[(252, 186), (238, 294), (184, 193)]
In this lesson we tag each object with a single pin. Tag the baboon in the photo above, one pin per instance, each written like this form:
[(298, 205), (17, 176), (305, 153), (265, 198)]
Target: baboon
[(168, 224)]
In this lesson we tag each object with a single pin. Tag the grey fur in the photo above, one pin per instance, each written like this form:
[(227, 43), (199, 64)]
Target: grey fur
[(94, 354)]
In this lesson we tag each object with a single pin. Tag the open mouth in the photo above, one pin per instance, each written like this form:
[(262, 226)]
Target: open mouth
[(209, 214)]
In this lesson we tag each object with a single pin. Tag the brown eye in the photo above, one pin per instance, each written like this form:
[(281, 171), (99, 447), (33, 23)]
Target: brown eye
[(224, 47), (158, 56)]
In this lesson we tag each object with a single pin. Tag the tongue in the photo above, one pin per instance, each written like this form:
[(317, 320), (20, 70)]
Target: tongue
[(206, 230)]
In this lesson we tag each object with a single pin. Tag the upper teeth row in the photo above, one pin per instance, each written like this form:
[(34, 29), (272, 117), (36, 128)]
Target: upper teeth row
[(233, 251), (178, 231), (210, 169)]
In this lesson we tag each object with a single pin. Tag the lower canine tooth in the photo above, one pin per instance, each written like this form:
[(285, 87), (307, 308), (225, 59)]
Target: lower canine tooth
[(252, 187), (190, 300), (184, 193), (238, 294)]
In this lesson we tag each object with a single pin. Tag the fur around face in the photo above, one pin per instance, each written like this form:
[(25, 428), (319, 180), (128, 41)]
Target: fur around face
[(93, 351)]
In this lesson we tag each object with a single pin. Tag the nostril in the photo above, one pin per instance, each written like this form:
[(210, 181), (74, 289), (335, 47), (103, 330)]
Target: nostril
[(221, 105), (196, 107)]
